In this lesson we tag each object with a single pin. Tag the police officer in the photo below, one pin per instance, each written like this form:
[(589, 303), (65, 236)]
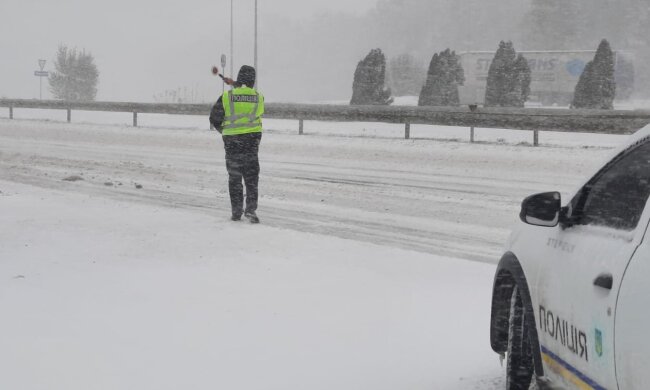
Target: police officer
[(237, 115)]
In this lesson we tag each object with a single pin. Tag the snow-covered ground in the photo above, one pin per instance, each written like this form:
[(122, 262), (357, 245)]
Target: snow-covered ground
[(105, 294), (133, 276)]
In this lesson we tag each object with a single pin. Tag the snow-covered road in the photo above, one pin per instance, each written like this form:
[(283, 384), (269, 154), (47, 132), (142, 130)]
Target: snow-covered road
[(130, 275), (447, 198)]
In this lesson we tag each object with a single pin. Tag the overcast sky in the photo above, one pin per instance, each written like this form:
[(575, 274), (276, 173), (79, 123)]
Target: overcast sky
[(142, 47)]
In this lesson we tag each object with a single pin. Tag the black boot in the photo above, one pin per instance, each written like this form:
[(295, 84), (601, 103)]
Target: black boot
[(252, 217)]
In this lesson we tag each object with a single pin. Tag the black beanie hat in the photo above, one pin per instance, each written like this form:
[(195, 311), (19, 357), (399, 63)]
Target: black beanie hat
[(246, 76)]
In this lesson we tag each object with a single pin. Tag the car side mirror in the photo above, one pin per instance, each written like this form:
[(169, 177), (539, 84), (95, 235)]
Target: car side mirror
[(541, 209)]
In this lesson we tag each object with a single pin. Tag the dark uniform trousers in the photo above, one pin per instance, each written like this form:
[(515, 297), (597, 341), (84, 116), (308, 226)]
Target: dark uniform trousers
[(242, 163)]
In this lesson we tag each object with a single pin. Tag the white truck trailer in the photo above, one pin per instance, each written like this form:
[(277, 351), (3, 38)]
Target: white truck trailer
[(554, 75)]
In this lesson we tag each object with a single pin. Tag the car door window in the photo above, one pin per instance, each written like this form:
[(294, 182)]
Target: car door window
[(616, 196)]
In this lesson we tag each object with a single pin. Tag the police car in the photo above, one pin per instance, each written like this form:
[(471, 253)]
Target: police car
[(571, 297)]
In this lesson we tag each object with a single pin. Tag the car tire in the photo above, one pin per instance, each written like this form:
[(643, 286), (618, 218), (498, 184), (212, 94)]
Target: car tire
[(519, 365)]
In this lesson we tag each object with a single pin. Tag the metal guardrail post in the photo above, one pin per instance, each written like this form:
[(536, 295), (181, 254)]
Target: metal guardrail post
[(301, 126), (407, 130), (69, 115), (535, 137), (11, 112), (135, 119)]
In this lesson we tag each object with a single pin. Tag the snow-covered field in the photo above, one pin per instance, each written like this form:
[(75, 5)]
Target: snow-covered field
[(357, 278)]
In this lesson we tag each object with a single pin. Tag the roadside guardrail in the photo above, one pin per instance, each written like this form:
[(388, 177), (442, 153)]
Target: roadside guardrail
[(535, 119)]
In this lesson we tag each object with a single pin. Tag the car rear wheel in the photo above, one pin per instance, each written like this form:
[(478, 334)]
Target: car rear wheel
[(519, 368)]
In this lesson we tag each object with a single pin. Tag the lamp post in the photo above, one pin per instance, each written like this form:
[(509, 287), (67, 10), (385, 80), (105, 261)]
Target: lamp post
[(232, 34), (232, 56), (255, 56)]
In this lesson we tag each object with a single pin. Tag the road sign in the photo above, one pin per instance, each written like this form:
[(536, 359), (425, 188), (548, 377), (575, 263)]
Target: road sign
[(40, 74)]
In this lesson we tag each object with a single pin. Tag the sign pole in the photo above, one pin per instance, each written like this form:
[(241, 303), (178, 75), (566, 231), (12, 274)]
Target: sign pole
[(223, 66), (40, 75)]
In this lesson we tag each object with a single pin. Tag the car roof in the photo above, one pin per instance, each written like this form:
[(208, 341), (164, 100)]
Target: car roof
[(640, 136)]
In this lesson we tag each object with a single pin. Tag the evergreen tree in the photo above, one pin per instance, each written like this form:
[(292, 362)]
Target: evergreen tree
[(369, 78), (443, 78), (498, 74), (596, 87), (76, 75), (430, 93), (521, 78), (509, 78)]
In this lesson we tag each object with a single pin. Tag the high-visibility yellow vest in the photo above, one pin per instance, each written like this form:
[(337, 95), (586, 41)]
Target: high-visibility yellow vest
[(243, 108)]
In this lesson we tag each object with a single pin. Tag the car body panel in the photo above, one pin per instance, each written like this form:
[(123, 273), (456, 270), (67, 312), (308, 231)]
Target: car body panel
[(577, 345), (633, 323)]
